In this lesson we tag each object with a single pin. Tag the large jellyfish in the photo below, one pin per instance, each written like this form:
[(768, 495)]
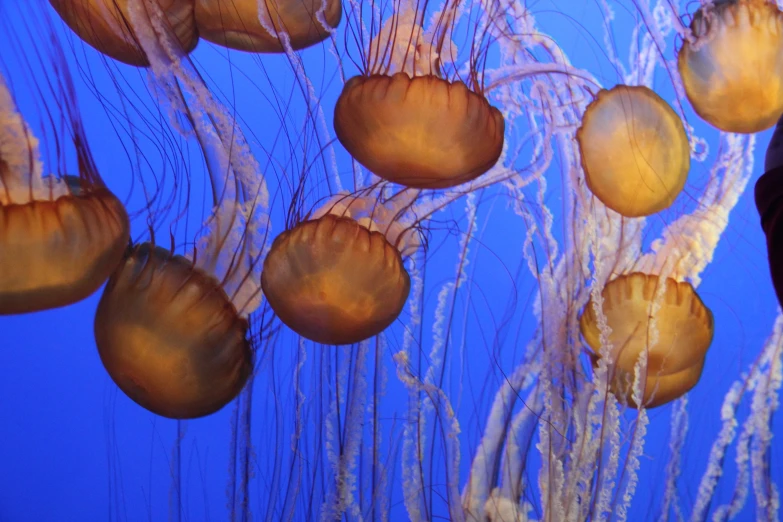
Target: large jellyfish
[(260, 25), (172, 331), (402, 119), (62, 235), (731, 64), (170, 337), (106, 26)]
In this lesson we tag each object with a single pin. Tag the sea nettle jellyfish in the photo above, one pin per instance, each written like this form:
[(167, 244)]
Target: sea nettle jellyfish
[(260, 26), (171, 334), (667, 321), (732, 68), (338, 277), (60, 236), (403, 118), (107, 25), (171, 330), (634, 150)]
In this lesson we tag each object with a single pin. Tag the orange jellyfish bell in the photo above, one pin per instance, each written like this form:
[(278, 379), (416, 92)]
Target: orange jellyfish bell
[(170, 337), (684, 327), (255, 25), (634, 150), (55, 252), (60, 238), (334, 279), (733, 69), (421, 132), (107, 25)]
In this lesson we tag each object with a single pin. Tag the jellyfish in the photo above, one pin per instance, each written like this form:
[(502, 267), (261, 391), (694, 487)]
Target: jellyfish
[(675, 344), (173, 331), (106, 25), (169, 335), (257, 26), (61, 235), (338, 277), (731, 67), (407, 123), (634, 150)]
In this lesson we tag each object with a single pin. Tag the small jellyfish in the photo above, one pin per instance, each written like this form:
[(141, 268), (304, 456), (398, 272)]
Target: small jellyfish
[(107, 25), (60, 237), (256, 25), (684, 329), (414, 127), (634, 150), (338, 278), (732, 69)]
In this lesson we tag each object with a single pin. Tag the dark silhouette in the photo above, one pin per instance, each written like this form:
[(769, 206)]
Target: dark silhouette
[(769, 202)]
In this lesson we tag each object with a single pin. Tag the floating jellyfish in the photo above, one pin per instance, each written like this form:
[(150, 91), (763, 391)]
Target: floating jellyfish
[(173, 331), (731, 69), (257, 25), (405, 122), (106, 25), (170, 336), (634, 150), (676, 341), (61, 236), (338, 277)]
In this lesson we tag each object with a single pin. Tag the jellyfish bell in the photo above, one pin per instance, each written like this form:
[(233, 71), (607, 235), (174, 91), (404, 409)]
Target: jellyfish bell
[(61, 236), (169, 335), (405, 122), (634, 150), (58, 251), (107, 25), (172, 331), (334, 281), (422, 132), (338, 277), (732, 69), (683, 326), (256, 25)]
